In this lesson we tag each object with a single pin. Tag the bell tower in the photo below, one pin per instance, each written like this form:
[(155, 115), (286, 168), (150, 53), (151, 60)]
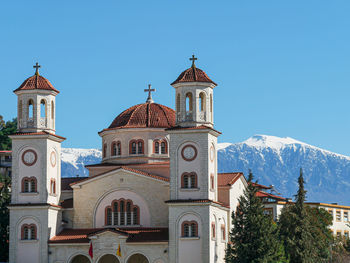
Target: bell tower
[(193, 168), (36, 178), (194, 97), (36, 104)]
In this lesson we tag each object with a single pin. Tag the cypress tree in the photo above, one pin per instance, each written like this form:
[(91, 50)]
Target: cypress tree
[(5, 198), (254, 237), (304, 230)]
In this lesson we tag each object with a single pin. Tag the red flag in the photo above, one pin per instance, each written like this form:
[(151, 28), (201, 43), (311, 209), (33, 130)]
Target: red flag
[(91, 252)]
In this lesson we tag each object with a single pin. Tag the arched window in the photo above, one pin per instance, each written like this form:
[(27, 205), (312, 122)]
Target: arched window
[(30, 109), (140, 147), (189, 229), (42, 109), (212, 182), (115, 213), (189, 102), (28, 232), (53, 186), (136, 147), (20, 110), (128, 213), (178, 103), (114, 149), (133, 147), (29, 185), (213, 234), (202, 100), (104, 151), (52, 110), (163, 147), (156, 147), (136, 215), (189, 180), (122, 213), (119, 148), (108, 216), (223, 232)]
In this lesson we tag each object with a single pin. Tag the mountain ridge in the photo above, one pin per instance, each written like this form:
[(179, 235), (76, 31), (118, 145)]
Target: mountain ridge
[(273, 161)]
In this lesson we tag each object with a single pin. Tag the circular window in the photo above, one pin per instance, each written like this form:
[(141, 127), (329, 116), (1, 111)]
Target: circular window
[(189, 153), (53, 159), (29, 157)]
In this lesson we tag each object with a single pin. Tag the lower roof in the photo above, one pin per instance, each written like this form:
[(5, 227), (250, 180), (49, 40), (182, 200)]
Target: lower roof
[(134, 234)]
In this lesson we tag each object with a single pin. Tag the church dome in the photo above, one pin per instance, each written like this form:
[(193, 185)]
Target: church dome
[(146, 115), (36, 82)]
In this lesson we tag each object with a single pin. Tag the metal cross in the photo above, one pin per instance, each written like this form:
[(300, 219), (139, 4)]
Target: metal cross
[(149, 90), (193, 60), (37, 66)]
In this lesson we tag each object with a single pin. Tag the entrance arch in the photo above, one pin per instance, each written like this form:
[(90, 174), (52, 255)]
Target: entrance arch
[(80, 259), (137, 258), (109, 258)]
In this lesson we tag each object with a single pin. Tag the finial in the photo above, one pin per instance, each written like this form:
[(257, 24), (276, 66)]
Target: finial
[(37, 66), (149, 90), (193, 60)]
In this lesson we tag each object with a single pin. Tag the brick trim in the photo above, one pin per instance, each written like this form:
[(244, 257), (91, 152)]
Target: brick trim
[(213, 228)]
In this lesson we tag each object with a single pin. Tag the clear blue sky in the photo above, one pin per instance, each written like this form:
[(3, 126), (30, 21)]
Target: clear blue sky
[(283, 67)]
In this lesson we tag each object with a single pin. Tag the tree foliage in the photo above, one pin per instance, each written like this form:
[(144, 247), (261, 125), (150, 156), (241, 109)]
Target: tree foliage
[(254, 237), (304, 230), (6, 128), (5, 198)]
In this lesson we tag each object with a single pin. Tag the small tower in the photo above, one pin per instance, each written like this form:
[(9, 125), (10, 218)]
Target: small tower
[(36, 104), (193, 169), (36, 177), (194, 97)]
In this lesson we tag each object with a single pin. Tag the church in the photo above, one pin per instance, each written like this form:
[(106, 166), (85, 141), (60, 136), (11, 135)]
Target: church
[(156, 196)]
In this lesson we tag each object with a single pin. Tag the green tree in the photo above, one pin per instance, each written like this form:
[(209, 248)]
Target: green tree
[(6, 129), (254, 237), (5, 198), (304, 230)]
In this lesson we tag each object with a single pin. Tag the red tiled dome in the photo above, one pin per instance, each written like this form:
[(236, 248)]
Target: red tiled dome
[(193, 74), (144, 115), (36, 82)]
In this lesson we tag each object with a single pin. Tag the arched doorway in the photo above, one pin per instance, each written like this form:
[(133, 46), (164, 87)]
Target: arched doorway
[(80, 259), (138, 258), (108, 259)]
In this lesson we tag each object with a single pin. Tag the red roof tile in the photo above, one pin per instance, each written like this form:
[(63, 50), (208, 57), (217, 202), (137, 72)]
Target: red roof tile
[(68, 203), (145, 115), (193, 74), (260, 186), (201, 127), (195, 201), (38, 133), (65, 182), (135, 234), (128, 169), (36, 82), (264, 194), (228, 178)]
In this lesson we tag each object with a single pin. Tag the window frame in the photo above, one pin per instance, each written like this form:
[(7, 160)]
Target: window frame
[(189, 180), (189, 233)]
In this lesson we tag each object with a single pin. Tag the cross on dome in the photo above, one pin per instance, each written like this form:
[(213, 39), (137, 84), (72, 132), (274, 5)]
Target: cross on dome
[(193, 59), (149, 90), (37, 66)]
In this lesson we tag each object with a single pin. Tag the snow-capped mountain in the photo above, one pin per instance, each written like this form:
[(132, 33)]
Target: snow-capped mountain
[(74, 159), (277, 161), (273, 161)]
